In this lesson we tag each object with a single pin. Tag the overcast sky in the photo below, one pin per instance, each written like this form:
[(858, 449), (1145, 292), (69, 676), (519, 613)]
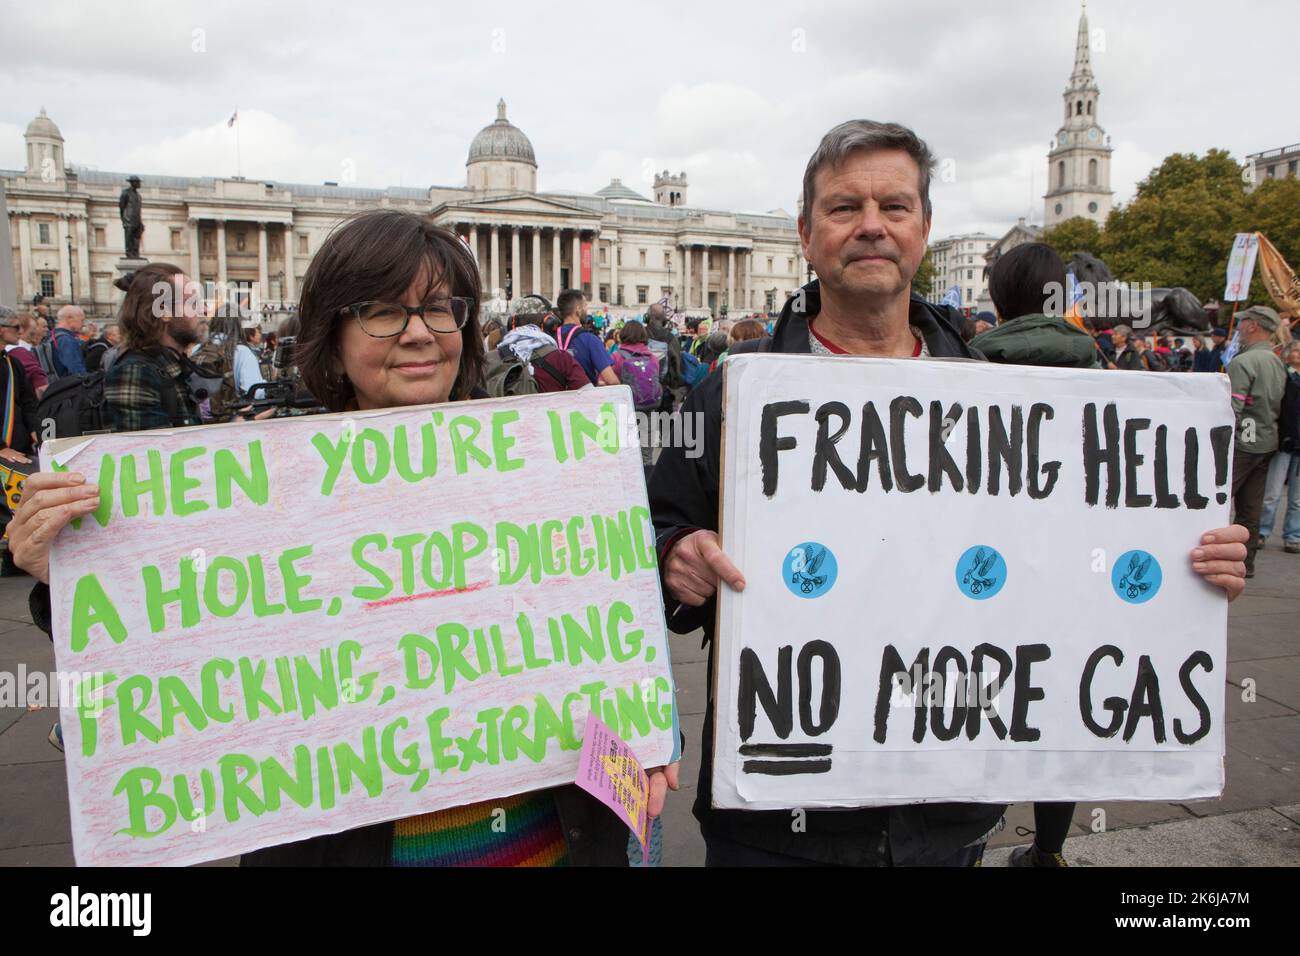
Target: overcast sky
[(736, 93)]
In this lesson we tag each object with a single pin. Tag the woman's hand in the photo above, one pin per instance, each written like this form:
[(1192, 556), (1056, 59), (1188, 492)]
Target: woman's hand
[(50, 500), (8, 454), (662, 779), (1221, 557)]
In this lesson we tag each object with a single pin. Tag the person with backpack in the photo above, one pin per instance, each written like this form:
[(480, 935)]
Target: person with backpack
[(638, 369), (1284, 469), (147, 385), (217, 357), (526, 360), (61, 355), (582, 344), (667, 349)]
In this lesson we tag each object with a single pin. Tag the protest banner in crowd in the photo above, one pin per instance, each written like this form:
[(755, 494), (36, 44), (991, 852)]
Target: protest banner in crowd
[(968, 581), (311, 624)]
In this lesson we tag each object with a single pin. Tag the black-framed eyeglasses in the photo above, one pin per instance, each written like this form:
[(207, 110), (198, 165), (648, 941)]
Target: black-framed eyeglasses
[(383, 320)]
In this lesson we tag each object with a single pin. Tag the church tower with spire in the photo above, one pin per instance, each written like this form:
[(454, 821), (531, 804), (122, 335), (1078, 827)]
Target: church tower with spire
[(1078, 167)]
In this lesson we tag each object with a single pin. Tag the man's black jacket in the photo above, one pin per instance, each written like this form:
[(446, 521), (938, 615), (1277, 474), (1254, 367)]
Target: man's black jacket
[(684, 496)]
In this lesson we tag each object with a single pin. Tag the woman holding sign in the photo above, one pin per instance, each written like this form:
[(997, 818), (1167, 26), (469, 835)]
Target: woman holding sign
[(389, 318)]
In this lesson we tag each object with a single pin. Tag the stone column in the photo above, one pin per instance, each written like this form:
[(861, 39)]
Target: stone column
[(516, 285), (193, 239), (704, 277), (290, 264), (83, 260), (749, 279), (686, 277), (575, 269), (221, 252), (555, 264), (494, 282), (731, 280), (263, 272), (64, 288), (27, 272), (613, 271), (537, 262)]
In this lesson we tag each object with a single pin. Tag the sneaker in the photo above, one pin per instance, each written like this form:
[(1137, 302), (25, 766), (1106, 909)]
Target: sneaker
[(1291, 547), (56, 738), (1032, 856), (1250, 572)]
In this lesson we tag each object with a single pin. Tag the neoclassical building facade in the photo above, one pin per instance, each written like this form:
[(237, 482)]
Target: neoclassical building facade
[(257, 236)]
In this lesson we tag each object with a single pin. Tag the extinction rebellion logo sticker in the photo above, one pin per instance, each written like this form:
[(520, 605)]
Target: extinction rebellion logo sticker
[(981, 572), (809, 570), (1136, 577)]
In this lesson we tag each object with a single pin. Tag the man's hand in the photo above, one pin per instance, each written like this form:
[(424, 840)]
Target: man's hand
[(1221, 557), (694, 567), (8, 454)]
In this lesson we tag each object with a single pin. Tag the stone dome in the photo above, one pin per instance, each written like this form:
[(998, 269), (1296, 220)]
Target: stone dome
[(616, 190), (44, 126), (501, 141)]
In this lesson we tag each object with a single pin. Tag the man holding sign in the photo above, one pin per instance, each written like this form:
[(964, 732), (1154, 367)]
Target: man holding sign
[(864, 228)]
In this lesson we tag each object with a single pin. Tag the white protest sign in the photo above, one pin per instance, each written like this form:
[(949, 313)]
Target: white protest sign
[(968, 582), (1241, 266), (307, 625)]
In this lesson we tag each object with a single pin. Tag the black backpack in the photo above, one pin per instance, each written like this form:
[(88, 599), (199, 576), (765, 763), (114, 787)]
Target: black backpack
[(74, 404), (1288, 422)]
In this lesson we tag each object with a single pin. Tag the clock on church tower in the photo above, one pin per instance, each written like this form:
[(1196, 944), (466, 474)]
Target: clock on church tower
[(1078, 166)]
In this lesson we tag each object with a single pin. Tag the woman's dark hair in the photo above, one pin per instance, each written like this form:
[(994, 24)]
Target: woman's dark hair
[(377, 255), (632, 333), (150, 292), (250, 334), (1023, 281)]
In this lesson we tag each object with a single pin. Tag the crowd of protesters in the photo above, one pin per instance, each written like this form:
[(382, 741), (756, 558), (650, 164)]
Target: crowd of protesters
[(392, 289)]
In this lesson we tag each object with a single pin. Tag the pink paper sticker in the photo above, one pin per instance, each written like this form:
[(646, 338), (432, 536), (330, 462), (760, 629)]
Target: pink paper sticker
[(610, 772)]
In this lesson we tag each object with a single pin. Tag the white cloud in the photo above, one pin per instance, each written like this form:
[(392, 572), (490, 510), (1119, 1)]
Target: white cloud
[(721, 90)]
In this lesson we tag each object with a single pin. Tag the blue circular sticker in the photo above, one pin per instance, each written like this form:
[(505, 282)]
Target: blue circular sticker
[(981, 572), (1136, 577), (809, 570)]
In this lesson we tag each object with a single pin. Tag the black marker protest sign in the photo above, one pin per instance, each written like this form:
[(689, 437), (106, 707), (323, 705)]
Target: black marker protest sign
[(968, 582)]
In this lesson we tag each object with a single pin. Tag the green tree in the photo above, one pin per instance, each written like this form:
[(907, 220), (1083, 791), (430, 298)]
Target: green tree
[(1178, 229), (1274, 210), (1074, 235), (924, 277)]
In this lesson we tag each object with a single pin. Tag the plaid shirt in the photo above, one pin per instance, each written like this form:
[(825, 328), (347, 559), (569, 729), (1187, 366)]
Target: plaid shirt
[(133, 392)]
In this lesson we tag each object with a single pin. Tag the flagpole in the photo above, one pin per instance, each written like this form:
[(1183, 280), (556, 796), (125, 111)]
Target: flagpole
[(239, 150)]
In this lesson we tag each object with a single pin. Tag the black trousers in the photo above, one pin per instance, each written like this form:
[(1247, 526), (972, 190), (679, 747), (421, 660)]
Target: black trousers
[(1249, 474)]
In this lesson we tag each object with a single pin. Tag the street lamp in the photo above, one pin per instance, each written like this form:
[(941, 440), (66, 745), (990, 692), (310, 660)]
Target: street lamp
[(72, 288)]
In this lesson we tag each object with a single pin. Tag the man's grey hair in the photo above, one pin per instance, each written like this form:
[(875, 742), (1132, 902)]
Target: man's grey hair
[(868, 136), (7, 313), (1123, 330)]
